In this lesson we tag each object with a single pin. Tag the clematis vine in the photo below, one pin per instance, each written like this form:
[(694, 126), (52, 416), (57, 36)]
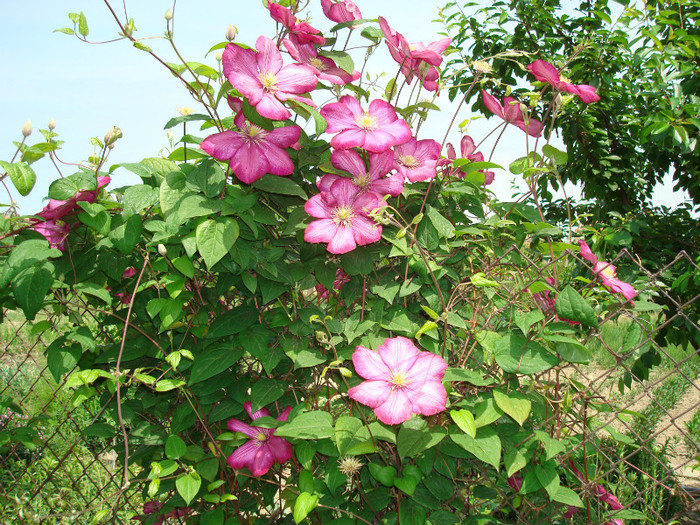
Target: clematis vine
[(546, 72), (372, 179), (341, 11), (263, 79), (263, 449), (607, 273), (400, 380), (57, 209), (511, 112), (377, 129), (468, 151), (303, 31), (323, 67), (415, 59), (343, 217), (253, 151), (417, 159)]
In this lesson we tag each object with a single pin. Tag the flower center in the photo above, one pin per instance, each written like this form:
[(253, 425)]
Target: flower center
[(316, 62), (253, 133), (409, 161), (269, 81), (399, 380), (608, 272), (362, 181), (260, 438), (343, 215), (367, 122)]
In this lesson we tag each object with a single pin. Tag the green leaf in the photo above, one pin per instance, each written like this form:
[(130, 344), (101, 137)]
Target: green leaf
[(61, 360), (95, 217), (30, 287), (175, 447), (139, 198), (548, 477), (479, 279), (485, 447), (213, 361), (207, 177), (552, 446), (126, 234), (188, 485), (518, 355), (559, 157), (83, 25), (514, 461), (215, 237), (304, 504), (468, 376), (568, 497), (281, 185), (233, 322), (571, 305), (411, 513), (265, 391), (443, 226), (526, 320), (21, 175), (308, 425), (384, 475), (412, 438), (352, 436), (515, 405), (569, 349), (65, 188), (465, 421)]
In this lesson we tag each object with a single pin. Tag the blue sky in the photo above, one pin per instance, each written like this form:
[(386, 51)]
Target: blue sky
[(89, 88)]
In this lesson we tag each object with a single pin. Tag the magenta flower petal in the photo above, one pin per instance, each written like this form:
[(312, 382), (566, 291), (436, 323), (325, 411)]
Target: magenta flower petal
[(322, 230), (341, 10), (546, 72), (263, 449), (342, 241), (377, 129), (402, 380), (397, 408)]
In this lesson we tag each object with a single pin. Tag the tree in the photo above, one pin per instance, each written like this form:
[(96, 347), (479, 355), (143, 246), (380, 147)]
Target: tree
[(642, 59)]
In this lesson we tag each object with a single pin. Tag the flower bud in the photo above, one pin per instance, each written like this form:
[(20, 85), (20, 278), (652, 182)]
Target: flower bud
[(219, 55), (112, 136), (162, 251), (168, 15), (52, 124), (27, 128), (231, 33)]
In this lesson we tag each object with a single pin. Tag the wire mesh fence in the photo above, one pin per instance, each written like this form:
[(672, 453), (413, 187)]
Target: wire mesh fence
[(634, 400)]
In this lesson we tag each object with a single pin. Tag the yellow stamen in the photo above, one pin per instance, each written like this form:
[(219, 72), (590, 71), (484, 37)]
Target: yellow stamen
[(409, 161), (343, 215), (269, 81), (367, 122)]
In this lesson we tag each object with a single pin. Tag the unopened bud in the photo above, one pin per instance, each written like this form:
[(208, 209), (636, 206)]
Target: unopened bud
[(27, 128), (168, 15), (112, 136), (231, 33), (162, 251), (52, 124), (219, 55)]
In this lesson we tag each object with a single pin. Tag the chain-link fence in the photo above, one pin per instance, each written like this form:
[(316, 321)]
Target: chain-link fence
[(633, 400)]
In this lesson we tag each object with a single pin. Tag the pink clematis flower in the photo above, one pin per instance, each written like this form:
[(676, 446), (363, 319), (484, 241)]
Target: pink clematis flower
[(510, 112), (546, 72), (56, 209), (606, 272), (401, 380), (417, 159), (262, 79), (55, 232), (340, 279), (468, 151), (252, 152), (301, 30), (264, 448), (377, 129), (343, 213), (341, 11), (372, 179), (323, 67), (415, 59), (603, 495)]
